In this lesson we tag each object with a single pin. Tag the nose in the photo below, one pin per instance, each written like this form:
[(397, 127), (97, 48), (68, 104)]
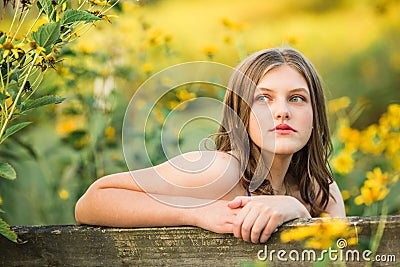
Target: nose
[(282, 112)]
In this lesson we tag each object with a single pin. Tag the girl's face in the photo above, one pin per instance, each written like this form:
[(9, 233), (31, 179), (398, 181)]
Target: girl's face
[(281, 119)]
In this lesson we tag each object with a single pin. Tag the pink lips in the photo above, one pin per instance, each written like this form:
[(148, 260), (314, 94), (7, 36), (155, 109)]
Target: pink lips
[(283, 129)]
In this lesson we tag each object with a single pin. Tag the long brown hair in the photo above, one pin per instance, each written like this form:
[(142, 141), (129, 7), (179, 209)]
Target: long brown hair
[(309, 166)]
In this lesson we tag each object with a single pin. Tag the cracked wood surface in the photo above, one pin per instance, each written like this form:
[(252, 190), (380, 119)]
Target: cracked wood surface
[(81, 245)]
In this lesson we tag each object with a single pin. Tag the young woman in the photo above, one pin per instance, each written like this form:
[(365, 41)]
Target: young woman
[(280, 174)]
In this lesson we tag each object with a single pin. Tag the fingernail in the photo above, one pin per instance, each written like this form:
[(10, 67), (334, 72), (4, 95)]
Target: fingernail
[(276, 230)]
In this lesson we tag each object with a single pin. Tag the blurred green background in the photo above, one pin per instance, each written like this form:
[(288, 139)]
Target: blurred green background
[(353, 44)]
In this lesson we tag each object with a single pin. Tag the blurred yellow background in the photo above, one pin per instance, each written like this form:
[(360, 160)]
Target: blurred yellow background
[(353, 44)]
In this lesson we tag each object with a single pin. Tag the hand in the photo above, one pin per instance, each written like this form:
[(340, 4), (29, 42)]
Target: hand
[(260, 216), (216, 217)]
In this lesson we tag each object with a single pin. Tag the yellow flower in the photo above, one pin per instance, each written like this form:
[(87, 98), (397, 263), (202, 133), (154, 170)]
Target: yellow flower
[(375, 187), (147, 67), (345, 195), (172, 104), (209, 51), (377, 176), (393, 113), (68, 124), (370, 195), (10, 48), (155, 37), (100, 3), (332, 230), (370, 141), (109, 132), (82, 142), (63, 194), (9, 104), (350, 137), (158, 115), (338, 104), (184, 95), (231, 25), (167, 38), (66, 127), (392, 141), (227, 39), (87, 47), (38, 49), (1, 200), (292, 40), (343, 163), (298, 233)]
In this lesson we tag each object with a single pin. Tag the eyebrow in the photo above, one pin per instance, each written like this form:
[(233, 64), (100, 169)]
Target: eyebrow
[(294, 90)]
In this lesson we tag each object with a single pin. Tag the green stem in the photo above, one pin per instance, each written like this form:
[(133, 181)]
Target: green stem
[(14, 17), (8, 118), (34, 22), (36, 84), (379, 233), (20, 24)]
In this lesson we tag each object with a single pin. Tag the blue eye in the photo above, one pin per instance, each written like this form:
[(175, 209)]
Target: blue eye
[(297, 99), (262, 98)]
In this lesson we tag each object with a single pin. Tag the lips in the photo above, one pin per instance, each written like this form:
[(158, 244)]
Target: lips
[(283, 129)]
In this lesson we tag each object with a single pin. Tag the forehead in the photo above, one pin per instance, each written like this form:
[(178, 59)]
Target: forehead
[(283, 77)]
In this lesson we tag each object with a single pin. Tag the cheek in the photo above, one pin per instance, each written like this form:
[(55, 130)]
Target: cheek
[(307, 122), (254, 128), (260, 122)]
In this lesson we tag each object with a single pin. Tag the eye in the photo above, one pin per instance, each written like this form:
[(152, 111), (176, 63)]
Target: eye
[(297, 99), (262, 98)]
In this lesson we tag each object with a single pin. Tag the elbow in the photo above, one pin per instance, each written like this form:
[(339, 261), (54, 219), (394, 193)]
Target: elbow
[(78, 211), (85, 206)]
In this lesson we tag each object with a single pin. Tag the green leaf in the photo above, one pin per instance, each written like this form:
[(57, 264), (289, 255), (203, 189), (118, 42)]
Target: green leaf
[(3, 96), (7, 171), (3, 38), (7, 232), (47, 34), (70, 16), (47, 7), (42, 101), (13, 129)]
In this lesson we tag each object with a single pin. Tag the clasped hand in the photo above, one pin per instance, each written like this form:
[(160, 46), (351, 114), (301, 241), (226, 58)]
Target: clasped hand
[(252, 219)]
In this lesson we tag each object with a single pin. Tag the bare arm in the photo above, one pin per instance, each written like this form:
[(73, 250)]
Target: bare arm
[(127, 208), (118, 200)]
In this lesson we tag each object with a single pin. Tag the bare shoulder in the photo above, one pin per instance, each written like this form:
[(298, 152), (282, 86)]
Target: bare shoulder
[(199, 168), (335, 206)]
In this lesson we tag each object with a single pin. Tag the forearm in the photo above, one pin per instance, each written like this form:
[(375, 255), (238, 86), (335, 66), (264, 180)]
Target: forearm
[(127, 208)]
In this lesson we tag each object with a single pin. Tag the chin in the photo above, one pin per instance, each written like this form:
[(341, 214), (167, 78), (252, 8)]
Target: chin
[(283, 150)]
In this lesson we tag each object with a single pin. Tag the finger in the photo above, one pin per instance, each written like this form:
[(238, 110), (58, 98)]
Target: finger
[(274, 222), (238, 202), (248, 223), (237, 225), (258, 227)]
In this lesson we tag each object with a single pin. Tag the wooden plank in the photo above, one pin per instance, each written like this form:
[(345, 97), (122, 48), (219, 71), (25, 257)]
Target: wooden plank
[(80, 245)]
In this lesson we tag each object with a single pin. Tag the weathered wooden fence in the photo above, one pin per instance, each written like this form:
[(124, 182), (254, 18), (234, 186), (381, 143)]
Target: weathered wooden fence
[(79, 245)]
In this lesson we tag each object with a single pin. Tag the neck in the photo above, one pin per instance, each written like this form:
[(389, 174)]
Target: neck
[(278, 169)]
